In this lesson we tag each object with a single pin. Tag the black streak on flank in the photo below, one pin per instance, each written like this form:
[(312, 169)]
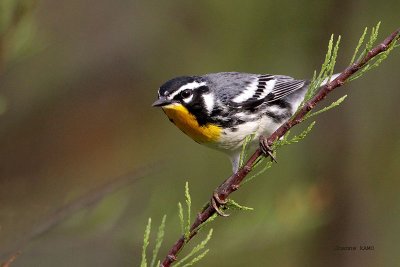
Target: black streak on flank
[(251, 104), (277, 118), (280, 103)]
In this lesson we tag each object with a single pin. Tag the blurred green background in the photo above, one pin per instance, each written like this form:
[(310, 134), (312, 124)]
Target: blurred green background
[(85, 160)]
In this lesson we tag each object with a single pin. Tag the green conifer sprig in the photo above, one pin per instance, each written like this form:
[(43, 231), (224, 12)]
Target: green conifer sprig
[(266, 166), (181, 219), (197, 258), (333, 105), (199, 247), (359, 44), (231, 204), (368, 45), (185, 223), (295, 139), (245, 149), (145, 243), (327, 69), (158, 242), (188, 201)]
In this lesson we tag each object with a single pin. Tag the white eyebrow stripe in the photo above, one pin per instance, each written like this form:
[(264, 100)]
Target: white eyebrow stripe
[(192, 85)]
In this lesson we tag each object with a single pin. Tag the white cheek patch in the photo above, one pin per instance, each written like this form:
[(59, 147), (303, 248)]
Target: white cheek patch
[(192, 85), (209, 101)]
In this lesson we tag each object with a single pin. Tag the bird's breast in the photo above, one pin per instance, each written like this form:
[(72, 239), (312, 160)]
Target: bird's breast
[(187, 123)]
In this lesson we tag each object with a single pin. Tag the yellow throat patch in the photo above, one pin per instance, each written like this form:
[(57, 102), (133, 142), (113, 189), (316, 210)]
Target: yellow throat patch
[(188, 124)]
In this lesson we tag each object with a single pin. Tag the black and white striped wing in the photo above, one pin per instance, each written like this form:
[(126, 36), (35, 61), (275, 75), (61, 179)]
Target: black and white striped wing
[(285, 86), (267, 88)]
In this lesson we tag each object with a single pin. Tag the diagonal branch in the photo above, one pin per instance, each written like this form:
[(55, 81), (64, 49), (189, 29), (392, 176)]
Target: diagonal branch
[(232, 183), (10, 260)]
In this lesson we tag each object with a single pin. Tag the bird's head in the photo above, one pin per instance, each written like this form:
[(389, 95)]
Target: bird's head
[(189, 92)]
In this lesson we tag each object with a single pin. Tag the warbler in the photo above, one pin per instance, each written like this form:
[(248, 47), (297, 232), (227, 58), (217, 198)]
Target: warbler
[(220, 109)]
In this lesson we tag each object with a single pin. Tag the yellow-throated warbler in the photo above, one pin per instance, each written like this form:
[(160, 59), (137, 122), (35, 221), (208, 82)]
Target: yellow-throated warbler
[(220, 109)]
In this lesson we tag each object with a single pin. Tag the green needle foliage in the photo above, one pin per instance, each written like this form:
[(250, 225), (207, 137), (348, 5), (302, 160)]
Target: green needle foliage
[(197, 253), (333, 105), (185, 224), (197, 258), (360, 42), (257, 164), (245, 149), (159, 240), (369, 44), (146, 242), (295, 139), (212, 218), (234, 205), (195, 250), (188, 206), (326, 71), (185, 227), (181, 219)]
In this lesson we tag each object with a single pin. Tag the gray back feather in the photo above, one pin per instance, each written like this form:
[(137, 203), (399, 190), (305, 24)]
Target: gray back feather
[(228, 85)]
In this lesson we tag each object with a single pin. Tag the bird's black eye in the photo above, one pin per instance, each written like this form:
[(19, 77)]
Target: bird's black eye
[(186, 93)]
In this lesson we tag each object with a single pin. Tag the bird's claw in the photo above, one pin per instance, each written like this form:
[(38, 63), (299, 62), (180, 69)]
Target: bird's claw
[(216, 203), (266, 149)]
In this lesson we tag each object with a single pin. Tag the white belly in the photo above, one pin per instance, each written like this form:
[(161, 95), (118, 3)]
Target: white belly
[(233, 140)]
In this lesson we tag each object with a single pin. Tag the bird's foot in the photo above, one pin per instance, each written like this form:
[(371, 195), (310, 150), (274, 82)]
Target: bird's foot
[(217, 203), (266, 149)]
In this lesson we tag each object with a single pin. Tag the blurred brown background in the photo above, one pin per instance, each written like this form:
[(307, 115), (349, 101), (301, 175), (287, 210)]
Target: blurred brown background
[(85, 160)]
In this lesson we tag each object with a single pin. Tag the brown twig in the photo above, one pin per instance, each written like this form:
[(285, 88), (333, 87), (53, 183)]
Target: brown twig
[(232, 183), (10, 260)]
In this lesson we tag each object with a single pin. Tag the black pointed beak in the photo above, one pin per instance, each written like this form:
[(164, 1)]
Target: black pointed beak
[(162, 101)]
